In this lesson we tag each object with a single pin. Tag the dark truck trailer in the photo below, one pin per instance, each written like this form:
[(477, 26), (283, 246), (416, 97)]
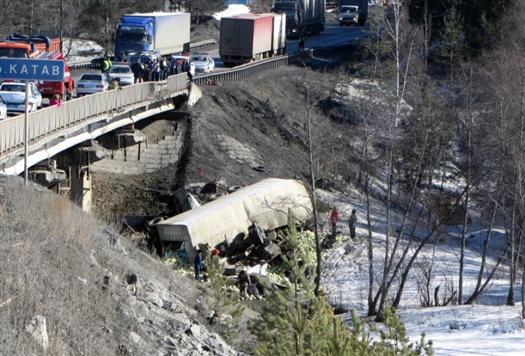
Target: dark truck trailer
[(363, 9), (302, 16), (249, 37)]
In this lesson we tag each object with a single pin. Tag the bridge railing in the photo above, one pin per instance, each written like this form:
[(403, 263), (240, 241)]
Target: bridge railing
[(54, 118)]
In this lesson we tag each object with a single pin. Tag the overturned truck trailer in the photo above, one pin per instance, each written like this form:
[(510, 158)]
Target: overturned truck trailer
[(265, 203)]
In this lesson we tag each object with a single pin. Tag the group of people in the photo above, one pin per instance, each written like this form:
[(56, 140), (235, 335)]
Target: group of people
[(155, 69), (159, 69), (352, 221)]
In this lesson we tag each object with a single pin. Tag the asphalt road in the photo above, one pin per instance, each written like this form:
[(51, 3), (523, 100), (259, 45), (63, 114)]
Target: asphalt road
[(333, 35)]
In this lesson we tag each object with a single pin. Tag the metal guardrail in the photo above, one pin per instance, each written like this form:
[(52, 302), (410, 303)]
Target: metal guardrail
[(250, 69), (55, 118), (52, 119), (80, 65)]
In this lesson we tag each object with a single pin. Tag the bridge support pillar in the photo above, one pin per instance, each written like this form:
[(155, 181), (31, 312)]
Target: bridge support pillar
[(81, 187)]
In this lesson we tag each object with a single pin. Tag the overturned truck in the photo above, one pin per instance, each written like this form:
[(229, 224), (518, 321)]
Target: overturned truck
[(223, 220)]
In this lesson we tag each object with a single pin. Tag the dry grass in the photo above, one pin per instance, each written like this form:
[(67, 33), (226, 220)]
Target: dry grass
[(55, 258), (46, 243)]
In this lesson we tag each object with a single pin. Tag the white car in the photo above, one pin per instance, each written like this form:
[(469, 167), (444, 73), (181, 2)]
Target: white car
[(123, 73), (14, 95), (91, 83), (203, 62), (3, 109)]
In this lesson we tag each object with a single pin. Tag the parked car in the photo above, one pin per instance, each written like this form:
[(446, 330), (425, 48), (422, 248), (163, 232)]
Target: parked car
[(91, 83), (143, 57), (122, 72), (14, 95), (3, 109), (203, 62)]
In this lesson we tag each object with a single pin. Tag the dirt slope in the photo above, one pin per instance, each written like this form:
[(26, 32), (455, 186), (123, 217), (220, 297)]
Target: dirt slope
[(232, 129)]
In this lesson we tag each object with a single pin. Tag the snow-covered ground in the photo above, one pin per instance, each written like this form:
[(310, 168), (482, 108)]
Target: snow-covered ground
[(233, 9), (486, 328), (81, 50)]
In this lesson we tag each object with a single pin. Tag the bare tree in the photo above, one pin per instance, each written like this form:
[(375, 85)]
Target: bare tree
[(313, 131)]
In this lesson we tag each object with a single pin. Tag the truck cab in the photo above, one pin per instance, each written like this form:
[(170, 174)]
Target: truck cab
[(134, 35), (349, 15), (289, 8), (44, 48), (302, 16), (16, 50)]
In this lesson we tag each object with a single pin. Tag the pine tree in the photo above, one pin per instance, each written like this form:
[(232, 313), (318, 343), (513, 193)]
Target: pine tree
[(296, 322), (227, 303)]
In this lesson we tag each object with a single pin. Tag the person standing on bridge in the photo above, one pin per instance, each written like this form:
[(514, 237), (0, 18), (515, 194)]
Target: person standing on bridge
[(55, 100), (106, 64), (137, 68)]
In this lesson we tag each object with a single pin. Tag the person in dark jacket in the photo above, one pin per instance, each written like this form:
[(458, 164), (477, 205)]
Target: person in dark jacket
[(188, 72), (244, 282), (198, 265), (302, 39), (351, 223), (137, 68)]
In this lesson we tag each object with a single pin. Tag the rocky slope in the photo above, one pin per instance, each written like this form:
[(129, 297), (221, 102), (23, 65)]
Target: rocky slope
[(72, 286)]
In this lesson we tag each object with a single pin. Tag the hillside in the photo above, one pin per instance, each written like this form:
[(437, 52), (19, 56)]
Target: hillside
[(73, 286), (69, 266), (232, 129)]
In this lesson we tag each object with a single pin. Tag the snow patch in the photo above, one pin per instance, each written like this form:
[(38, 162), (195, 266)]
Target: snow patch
[(233, 9)]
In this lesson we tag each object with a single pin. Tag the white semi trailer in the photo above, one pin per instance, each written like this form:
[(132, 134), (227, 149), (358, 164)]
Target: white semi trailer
[(265, 203)]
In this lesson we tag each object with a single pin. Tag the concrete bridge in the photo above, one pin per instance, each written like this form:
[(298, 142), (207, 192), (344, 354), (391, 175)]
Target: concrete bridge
[(79, 121), (57, 128)]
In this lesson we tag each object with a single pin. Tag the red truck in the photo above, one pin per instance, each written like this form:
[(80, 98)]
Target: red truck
[(249, 37), (40, 47)]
